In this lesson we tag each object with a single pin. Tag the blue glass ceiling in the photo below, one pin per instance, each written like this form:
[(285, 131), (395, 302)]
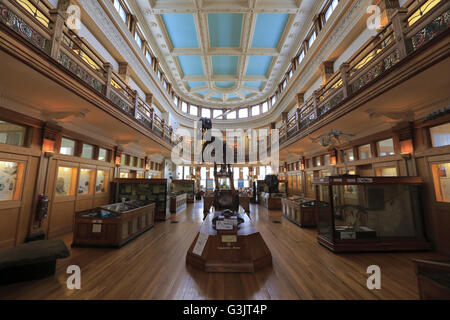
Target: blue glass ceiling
[(223, 51), (196, 84), (258, 65), (225, 29), (181, 30), (224, 65), (268, 30), (225, 84), (253, 84), (191, 65)]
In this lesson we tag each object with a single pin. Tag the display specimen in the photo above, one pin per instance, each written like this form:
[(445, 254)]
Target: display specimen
[(65, 182), (10, 180)]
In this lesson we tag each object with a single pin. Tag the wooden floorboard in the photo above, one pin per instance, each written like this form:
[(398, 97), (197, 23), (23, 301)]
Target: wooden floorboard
[(153, 267)]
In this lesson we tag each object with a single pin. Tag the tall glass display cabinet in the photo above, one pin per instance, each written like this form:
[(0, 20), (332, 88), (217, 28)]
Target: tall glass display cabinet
[(370, 214), (152, 190)]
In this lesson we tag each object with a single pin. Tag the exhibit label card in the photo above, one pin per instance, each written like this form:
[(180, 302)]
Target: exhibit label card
[(200, 245)]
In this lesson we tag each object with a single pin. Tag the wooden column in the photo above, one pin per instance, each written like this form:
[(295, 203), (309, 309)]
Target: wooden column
[(108, 68), (57, 26), (124, 71), (135, 102), (388, 8), (316, 102), (151, 118), (284, 118), (300, 102), (344, 76), (326, 70), (399, 26), (50, 131)]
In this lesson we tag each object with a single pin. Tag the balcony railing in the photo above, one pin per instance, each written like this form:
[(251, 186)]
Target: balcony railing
[(45, 28), (410, 29)]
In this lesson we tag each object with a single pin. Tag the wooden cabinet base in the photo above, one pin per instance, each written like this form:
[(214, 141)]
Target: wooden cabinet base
[(112, 232), (270, 202), (244, 252), (163, 213), (433, 278), (298, 213), (178, 203), (365, 245)]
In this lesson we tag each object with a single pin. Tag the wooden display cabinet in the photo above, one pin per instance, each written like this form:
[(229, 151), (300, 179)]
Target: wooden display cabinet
[(270, 201), (301, 211), (433, 278), (370, 214), (241, 250), (112, 225), (184, 186), (153, 190), (178, 202)]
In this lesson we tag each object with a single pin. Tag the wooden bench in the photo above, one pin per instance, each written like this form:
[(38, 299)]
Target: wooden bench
[(31, 261)]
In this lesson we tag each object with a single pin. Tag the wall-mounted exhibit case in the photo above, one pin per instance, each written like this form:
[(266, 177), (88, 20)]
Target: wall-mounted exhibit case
[(113, 225), (153, 190), (370, 213)]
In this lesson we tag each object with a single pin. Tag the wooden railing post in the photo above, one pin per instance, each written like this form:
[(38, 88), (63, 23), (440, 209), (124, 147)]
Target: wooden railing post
[(326, 71), (124, 71), (108, 76), (399, 26), (57, 26), (300, 102), (135, 103), (163, 127), (344, 76), (152, 118), (315, 103), (284, 119)]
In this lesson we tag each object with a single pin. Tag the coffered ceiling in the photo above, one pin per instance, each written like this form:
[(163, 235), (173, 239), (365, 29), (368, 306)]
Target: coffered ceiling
[(226, 53)]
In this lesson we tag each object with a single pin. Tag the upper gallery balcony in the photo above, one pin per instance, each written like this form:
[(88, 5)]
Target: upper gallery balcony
[(44, 30), (410, 32)]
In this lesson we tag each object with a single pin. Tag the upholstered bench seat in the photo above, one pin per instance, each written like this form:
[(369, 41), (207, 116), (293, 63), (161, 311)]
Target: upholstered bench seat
[(31, 261)]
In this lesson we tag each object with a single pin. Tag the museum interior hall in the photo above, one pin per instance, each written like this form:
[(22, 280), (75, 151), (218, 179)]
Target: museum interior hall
[(224, 149)]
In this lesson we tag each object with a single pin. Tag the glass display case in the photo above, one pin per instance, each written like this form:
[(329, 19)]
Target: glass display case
[(370, 213), (299, 210), (11, 179), (184, 186), (113, 225), (153, 190)]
